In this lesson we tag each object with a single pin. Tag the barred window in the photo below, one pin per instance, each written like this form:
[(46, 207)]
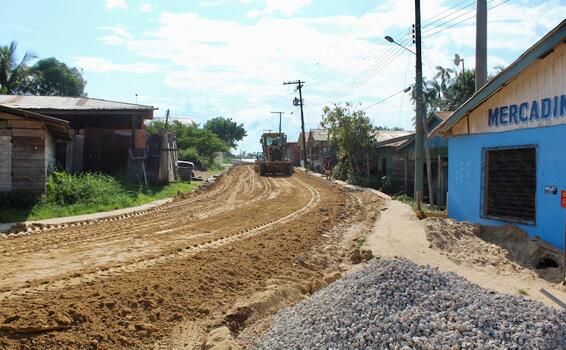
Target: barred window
[(510, 184)]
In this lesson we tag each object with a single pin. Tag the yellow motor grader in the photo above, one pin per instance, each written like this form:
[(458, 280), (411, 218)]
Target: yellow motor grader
[(273, 161)]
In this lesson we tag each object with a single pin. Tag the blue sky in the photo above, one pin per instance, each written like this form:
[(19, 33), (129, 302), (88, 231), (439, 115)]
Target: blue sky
[(202, 59)]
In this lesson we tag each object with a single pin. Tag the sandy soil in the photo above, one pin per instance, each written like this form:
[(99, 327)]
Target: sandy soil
[(164, 277), (507, 250), (458, 249)]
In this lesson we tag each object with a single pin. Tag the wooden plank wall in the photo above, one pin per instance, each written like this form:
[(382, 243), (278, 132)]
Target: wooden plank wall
[(5, 160), (22, 154), (28, 159)]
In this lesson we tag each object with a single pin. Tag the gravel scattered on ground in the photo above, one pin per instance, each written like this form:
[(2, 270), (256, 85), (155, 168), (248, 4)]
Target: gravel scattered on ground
[(398, 304)]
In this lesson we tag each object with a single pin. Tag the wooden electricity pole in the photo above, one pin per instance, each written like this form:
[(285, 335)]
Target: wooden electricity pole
[(280, 114), (300, 103), (419, 129)]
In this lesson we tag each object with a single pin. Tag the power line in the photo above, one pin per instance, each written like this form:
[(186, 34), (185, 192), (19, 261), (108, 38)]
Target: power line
[(387, 98), (448, 9), (365, 76), (464, 20), (455, 10)]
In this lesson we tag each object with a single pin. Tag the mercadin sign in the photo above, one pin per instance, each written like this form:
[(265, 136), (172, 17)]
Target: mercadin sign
[(528, 112)]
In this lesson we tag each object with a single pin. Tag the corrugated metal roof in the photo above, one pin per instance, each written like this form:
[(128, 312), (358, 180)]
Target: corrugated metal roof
[(58, 127), (443, 114), (66, 103), (384, 135), (319, 134)]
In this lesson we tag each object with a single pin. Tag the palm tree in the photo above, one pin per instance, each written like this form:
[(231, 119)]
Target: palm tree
[(444, 75), (12, 73)]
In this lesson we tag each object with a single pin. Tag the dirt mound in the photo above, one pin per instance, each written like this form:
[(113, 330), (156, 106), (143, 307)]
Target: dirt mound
[(506, 249)]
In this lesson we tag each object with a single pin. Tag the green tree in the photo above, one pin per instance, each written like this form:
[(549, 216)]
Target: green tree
[(227, 129), (194, 144), (12, 72), (50, 77), (351, 132), (459, 91), (447, 92)]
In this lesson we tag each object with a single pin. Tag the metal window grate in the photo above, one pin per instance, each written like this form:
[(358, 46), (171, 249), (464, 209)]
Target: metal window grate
[(511, 184)]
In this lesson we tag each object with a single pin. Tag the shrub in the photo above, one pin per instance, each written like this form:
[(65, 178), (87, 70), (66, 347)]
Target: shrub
[(66, 189)]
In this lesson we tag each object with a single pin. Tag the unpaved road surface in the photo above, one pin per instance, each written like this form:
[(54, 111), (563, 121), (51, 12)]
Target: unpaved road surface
[(162, 277)]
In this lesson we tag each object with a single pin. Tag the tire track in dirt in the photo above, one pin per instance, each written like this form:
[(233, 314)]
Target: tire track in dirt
[(186, 277), (75, 233), (170, 248)]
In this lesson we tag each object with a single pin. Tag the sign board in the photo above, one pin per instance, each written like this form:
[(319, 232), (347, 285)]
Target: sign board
[(550, 190), (563, 199)]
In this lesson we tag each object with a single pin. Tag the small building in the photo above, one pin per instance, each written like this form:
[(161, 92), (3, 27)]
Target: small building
[(506, 145), (27, 148), (436, 150), (318, 147), (294, 153), (390, 162), (105, 136)]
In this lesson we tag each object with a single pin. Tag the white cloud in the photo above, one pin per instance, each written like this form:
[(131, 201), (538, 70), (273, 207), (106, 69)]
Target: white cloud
[(212, 3), (145, 7), (285, 7), (115, 4), (117, 35), (236, 69), (103, 65)]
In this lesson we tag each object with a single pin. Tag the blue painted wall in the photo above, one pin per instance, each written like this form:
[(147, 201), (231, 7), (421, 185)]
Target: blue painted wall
[(465, 177)]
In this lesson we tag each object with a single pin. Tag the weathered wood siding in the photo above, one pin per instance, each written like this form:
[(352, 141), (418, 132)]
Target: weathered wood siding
[(50, 154), (5, 160), (28, 161), (23, 154)]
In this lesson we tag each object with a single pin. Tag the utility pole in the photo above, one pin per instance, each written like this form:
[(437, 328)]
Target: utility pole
[(300, 103), (166, 119), (481, 43), (419, 130), (280, 114)]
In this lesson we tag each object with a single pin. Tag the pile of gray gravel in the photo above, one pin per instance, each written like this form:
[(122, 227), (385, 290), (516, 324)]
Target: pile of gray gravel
[(397, 304)]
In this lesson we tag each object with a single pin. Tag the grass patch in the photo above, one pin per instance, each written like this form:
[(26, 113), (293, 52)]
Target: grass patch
[(68, 195), (360, 242), (523, 292), (428, 209)]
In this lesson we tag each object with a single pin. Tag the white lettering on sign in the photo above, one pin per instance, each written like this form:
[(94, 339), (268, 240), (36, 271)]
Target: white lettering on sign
[(527, 112)]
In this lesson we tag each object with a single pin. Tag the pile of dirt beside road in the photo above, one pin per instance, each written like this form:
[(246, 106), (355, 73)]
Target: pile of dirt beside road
[(505, 249)]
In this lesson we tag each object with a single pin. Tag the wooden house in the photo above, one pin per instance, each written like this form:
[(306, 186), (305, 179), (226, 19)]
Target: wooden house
[(318, 147), (105, 136), (27, 148), (294, 153)]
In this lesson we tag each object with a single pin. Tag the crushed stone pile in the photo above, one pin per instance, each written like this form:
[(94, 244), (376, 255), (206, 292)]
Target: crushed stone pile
[(397, 304)]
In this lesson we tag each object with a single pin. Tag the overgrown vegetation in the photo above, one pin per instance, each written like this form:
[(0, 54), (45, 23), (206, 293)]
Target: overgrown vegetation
[(350, 130), (68, 194), (428, 209), (199, 145)]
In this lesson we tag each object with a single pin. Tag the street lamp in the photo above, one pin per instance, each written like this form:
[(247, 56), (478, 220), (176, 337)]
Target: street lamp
[(391, 40)]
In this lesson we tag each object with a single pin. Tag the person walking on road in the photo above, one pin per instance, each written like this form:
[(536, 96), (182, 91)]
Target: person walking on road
[(328, 167)]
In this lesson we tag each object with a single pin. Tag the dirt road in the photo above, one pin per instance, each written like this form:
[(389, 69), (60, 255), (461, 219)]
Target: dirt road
[(162, 277)]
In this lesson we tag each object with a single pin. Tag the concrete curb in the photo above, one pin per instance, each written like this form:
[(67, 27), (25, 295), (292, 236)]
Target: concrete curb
[(101, 215), (93, 216), (349, 186)]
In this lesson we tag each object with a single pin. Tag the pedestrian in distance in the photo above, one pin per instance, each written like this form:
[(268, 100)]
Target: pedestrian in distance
[(328, 167)]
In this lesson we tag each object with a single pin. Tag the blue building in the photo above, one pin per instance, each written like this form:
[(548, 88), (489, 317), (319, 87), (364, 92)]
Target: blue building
[(507, 145)]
